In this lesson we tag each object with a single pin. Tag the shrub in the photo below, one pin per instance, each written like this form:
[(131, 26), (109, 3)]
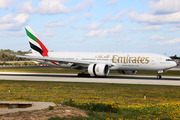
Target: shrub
[(100, 107), (51, 107)]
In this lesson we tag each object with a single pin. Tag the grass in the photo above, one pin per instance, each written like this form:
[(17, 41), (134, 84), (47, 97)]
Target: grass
[(73, 71), (37, 70), (101, 101)]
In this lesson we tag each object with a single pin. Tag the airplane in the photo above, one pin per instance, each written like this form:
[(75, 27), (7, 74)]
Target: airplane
[(97, 63)]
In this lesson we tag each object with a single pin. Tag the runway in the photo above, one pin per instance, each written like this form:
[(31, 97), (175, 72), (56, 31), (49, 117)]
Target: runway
[(120, 79), (124, 79)]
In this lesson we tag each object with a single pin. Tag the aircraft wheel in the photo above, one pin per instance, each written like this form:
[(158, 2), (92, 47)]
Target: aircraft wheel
[(159, 76), (83, 75)]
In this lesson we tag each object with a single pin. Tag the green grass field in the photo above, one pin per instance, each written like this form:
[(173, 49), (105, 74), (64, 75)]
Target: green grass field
[(73, 71), (101, 101)]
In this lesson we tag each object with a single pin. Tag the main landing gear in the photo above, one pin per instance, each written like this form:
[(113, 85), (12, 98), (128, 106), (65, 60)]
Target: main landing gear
[(83, 74), (159, 74)]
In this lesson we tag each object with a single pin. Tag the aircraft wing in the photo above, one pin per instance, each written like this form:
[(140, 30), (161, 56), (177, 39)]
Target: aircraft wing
[(53, 59), (58, 60)]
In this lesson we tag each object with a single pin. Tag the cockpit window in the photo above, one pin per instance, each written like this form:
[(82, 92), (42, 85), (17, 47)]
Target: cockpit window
[(169, 60)]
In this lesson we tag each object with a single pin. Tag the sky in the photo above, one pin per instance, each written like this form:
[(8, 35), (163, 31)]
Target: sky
[(143, 26)]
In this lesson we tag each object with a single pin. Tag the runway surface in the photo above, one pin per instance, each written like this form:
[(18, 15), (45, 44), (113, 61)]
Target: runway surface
[(121, 79)]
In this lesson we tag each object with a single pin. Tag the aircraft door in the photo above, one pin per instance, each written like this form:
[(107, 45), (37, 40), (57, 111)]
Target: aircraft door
[(78, 57), (153, 61)]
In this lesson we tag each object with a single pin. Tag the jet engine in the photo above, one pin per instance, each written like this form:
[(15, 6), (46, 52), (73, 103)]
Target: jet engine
[(130, 72), (98, 69)]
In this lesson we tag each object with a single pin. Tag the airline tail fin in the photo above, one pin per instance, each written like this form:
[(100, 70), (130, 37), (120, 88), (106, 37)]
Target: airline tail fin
[(36, 45)]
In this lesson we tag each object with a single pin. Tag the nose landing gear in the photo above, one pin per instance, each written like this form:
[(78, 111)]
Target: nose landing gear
[(159, 74)]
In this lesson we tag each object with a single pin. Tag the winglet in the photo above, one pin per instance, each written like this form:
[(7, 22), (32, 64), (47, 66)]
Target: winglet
[(36, 45)]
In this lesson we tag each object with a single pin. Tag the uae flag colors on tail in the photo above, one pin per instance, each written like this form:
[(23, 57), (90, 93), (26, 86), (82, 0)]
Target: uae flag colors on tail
[(35, 43)]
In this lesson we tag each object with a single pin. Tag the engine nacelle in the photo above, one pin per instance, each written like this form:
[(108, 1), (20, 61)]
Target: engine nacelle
[(130, 72), (98, 69)]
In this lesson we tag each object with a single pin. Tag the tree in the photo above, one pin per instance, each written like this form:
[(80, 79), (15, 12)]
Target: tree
[(174, 57), (5, 57)]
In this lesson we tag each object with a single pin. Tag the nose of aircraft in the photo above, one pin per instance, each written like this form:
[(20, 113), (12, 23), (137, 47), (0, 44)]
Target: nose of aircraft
[(171, 64), (174, 64)]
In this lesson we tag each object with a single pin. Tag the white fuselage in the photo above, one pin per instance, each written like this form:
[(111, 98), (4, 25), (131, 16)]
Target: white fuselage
[(97, 63), (118, 60)]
